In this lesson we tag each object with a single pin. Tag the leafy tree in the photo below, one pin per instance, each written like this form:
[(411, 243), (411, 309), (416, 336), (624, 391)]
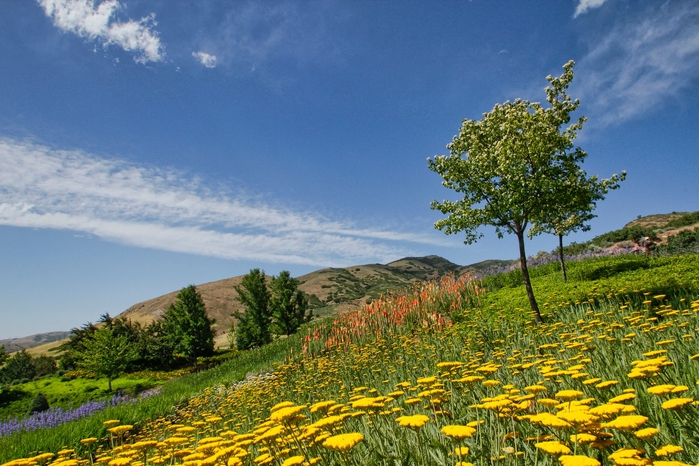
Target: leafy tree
[(3, 355), (106, 353), (75, 344), (509, 166), (44, 365), (19, 366), (576, 197), (253, 325), (289, 304), (187, 326)]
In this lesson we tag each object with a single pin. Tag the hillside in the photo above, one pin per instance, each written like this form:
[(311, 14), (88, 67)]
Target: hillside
[(330, 290), (40, 339)]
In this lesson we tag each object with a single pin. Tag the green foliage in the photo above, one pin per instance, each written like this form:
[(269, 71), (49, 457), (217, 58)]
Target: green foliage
[(107, 353), (684, 242), (253, 327), (513, 167), (3, 354), (39, 404), (689, 218), (44, 365), (187, 326), (289, 305), (626, 277), (17, 367), (633, 233)]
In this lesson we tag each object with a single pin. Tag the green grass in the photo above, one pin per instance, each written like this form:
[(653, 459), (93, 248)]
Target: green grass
[(67, 393), (626, 277)]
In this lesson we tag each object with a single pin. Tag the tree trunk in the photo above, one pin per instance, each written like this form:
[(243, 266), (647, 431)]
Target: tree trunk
[(527, 281), (560, 256), (109, 382)]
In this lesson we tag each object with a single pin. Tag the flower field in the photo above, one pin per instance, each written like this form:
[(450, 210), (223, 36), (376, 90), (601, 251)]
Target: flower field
[(609, 379)]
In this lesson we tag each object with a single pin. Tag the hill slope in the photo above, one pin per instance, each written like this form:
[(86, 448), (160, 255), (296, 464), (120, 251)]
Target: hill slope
[(330, 289)]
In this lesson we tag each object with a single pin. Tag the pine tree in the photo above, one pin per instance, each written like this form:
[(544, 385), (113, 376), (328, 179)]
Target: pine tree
[(289, 304), (187, 326), (253, 325)]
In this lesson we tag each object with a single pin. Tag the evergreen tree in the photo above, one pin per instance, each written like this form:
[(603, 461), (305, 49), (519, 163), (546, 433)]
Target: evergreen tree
[(187, 326), (289, 305), (19, 366), (253, 325)]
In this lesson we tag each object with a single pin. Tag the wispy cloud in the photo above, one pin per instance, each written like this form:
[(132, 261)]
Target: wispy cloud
[(163, 209), (639, 64), (205, 59), (584, 5), (96, 22)]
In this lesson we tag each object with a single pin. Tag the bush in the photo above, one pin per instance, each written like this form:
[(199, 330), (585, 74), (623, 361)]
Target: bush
[(39, 404)]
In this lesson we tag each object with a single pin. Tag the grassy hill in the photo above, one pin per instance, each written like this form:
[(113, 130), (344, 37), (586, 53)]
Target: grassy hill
[(40, 339), (612, 371), (331, 290)]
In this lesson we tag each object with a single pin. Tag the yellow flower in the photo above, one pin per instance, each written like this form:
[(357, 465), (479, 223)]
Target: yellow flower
[(582, 438), (118, 430), (111, 422), (88, 441), (535, 389), (414, 422), (578, 460), (569, 394), (666, 450), (322, 406), (343, 442), (120, 462), (553, 447), (286, 413), (490, 383), (458, 433), (675, 403), (626, 422), (623, 397), (294, 460), (606, 383), (646, 433), (283, 404), (461, 451), (661, 389)]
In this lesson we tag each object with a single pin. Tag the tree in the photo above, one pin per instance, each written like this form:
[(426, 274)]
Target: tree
[(18, 367), (289, 305), (577, 197), (253, 325), (509, 166), (188, 328), (107, 354)]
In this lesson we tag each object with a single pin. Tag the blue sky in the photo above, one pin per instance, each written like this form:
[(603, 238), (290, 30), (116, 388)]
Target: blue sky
[(147, 145)]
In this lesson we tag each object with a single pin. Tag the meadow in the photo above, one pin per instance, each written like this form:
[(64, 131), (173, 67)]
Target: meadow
[(449, 373)]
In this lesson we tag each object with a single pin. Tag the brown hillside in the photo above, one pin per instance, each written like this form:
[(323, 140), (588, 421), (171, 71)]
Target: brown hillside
[(330, 290)]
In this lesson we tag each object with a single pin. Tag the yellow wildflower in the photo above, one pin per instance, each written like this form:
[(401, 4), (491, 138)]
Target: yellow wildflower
[(553, 447), (415, 421), (458, 433), (675, 403), (343, 442)]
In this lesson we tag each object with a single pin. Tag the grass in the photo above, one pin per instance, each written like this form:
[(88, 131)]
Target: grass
[(397, 373), (62, 392)]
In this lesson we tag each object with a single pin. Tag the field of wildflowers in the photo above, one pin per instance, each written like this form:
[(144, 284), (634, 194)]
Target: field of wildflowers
[(609, 379)]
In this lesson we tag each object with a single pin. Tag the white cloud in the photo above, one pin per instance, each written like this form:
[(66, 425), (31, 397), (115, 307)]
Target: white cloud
[(641, 63), (95, 22), (205, 59), (584, 5), (161, 209)]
